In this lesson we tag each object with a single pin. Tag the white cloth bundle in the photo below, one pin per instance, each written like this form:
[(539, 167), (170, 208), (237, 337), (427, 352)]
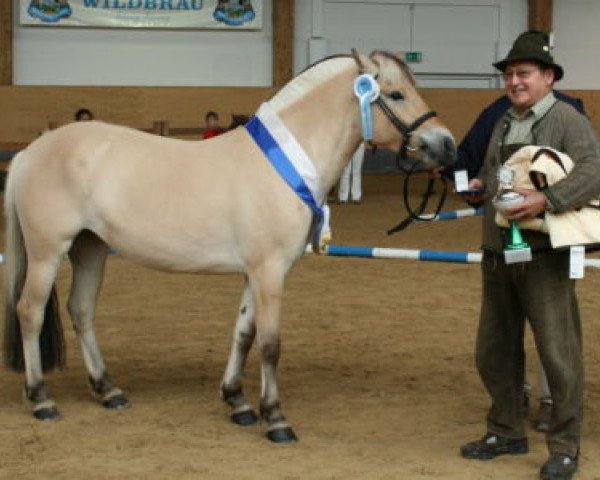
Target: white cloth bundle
[(575, 227)]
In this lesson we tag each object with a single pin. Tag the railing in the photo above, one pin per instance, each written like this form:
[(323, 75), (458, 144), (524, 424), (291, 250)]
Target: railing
[(159, 127)]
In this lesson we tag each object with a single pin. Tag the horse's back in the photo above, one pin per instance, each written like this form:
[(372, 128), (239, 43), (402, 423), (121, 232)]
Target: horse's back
[(153, 198)]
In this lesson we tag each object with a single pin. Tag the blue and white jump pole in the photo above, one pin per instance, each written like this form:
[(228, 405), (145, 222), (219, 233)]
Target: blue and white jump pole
[(452, 215), (405, 254), (413, 254)]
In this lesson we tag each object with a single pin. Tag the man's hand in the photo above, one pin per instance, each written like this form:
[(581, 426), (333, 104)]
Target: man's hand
[(474, 198), (532, 206)]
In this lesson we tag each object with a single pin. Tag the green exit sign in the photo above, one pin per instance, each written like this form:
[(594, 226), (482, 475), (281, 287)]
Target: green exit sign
[(413, 57)]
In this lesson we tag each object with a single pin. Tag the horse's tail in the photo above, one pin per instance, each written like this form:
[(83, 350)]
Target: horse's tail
[(52, 344)]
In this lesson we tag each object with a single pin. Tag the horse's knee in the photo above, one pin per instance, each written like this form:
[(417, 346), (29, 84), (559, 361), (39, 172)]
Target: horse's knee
[(30, 319), (270, 351), (78, 313), (74, 308)]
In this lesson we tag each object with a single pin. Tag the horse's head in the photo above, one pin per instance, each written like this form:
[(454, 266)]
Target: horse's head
[(401, 120)]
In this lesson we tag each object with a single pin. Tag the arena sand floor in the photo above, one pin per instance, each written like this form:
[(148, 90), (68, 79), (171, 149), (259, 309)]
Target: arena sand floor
[(377, 371)]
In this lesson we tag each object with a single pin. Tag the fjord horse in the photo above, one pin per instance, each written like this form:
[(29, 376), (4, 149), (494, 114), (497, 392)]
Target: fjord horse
[(193, 206)]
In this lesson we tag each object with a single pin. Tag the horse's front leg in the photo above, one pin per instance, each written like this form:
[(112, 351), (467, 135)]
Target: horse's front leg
[(243, 337), (267, 288)]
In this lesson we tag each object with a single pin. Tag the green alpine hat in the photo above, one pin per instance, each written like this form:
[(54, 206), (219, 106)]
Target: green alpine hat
[(532, 45)]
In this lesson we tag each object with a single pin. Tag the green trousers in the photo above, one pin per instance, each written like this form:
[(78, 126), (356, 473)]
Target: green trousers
[(541, 292)]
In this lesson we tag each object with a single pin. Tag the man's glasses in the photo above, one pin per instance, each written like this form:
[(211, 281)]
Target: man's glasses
[(522, 74)]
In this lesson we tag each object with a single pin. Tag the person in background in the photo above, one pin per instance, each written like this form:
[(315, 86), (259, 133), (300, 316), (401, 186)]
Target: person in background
[(352, 189), (83, 115), (211, 125)]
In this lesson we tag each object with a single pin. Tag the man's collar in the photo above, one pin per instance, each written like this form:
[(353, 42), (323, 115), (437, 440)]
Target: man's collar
[(538, 110)]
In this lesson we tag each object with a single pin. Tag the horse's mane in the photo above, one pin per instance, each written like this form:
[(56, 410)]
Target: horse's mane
[(323, 69), (309, 78)]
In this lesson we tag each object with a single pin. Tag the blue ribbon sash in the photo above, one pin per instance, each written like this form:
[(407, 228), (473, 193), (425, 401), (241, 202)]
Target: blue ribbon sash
[(283, 163)]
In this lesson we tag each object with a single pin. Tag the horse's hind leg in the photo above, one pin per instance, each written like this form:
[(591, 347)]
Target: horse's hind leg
[(31, 309), (88, 258), (243, 337)]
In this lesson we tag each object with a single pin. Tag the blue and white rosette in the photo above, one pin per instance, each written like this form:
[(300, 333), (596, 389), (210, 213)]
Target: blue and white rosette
[(367, 91)]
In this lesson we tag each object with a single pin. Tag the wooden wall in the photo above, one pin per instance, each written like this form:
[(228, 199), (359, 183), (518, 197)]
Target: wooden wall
[(26, 111)]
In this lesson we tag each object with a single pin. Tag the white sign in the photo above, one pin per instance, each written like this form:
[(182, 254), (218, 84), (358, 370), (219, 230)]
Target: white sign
[(461, 181), (577, 262), (188, 14)]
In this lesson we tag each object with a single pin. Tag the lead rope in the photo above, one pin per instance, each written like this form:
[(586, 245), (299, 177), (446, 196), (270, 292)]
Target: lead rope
[(418, 212)]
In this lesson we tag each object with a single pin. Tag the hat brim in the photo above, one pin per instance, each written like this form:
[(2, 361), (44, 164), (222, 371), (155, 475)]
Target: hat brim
[(558, 70)]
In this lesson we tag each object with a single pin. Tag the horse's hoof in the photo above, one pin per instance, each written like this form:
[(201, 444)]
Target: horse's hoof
[(116, 403), (245, 418), (47, 414), (282, 435)]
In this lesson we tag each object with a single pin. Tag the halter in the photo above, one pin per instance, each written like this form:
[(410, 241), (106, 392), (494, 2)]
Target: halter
[(373, 96), (402, 127)]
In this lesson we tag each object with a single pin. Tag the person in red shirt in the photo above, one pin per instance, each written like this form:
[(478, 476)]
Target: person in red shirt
[(212, 128)]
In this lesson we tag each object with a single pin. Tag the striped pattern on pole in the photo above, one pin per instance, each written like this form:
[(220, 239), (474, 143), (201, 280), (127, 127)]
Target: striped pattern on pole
[(452, 215), (404, 253), (413, 254)]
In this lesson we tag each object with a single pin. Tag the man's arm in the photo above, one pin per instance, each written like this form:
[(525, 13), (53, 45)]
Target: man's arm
[(583, 182)]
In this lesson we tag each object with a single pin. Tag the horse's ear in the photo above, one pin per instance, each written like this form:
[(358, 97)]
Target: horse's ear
[(362, 61), (370, 64)]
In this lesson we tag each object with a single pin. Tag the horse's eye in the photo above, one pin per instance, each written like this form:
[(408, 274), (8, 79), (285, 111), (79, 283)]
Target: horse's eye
[(396, 95)]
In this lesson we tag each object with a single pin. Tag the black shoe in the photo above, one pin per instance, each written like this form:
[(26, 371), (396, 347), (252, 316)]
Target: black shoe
[(492, 445), (559, 466)]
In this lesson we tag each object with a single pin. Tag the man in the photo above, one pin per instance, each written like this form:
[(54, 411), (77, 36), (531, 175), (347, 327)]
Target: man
[(471, 152), (539, 290)]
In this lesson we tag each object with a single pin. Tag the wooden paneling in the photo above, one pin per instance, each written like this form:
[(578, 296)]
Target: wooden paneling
[(283, 41), (27, 111), (459, 108), (540, 15), (6, 43)]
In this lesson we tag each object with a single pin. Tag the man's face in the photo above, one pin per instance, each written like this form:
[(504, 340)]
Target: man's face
[(526, 83)]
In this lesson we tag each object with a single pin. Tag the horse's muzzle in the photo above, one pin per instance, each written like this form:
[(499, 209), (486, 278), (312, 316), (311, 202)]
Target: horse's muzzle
[(438, 147)]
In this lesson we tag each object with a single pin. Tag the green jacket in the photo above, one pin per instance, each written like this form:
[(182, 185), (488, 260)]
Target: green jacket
[(566, 130)]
